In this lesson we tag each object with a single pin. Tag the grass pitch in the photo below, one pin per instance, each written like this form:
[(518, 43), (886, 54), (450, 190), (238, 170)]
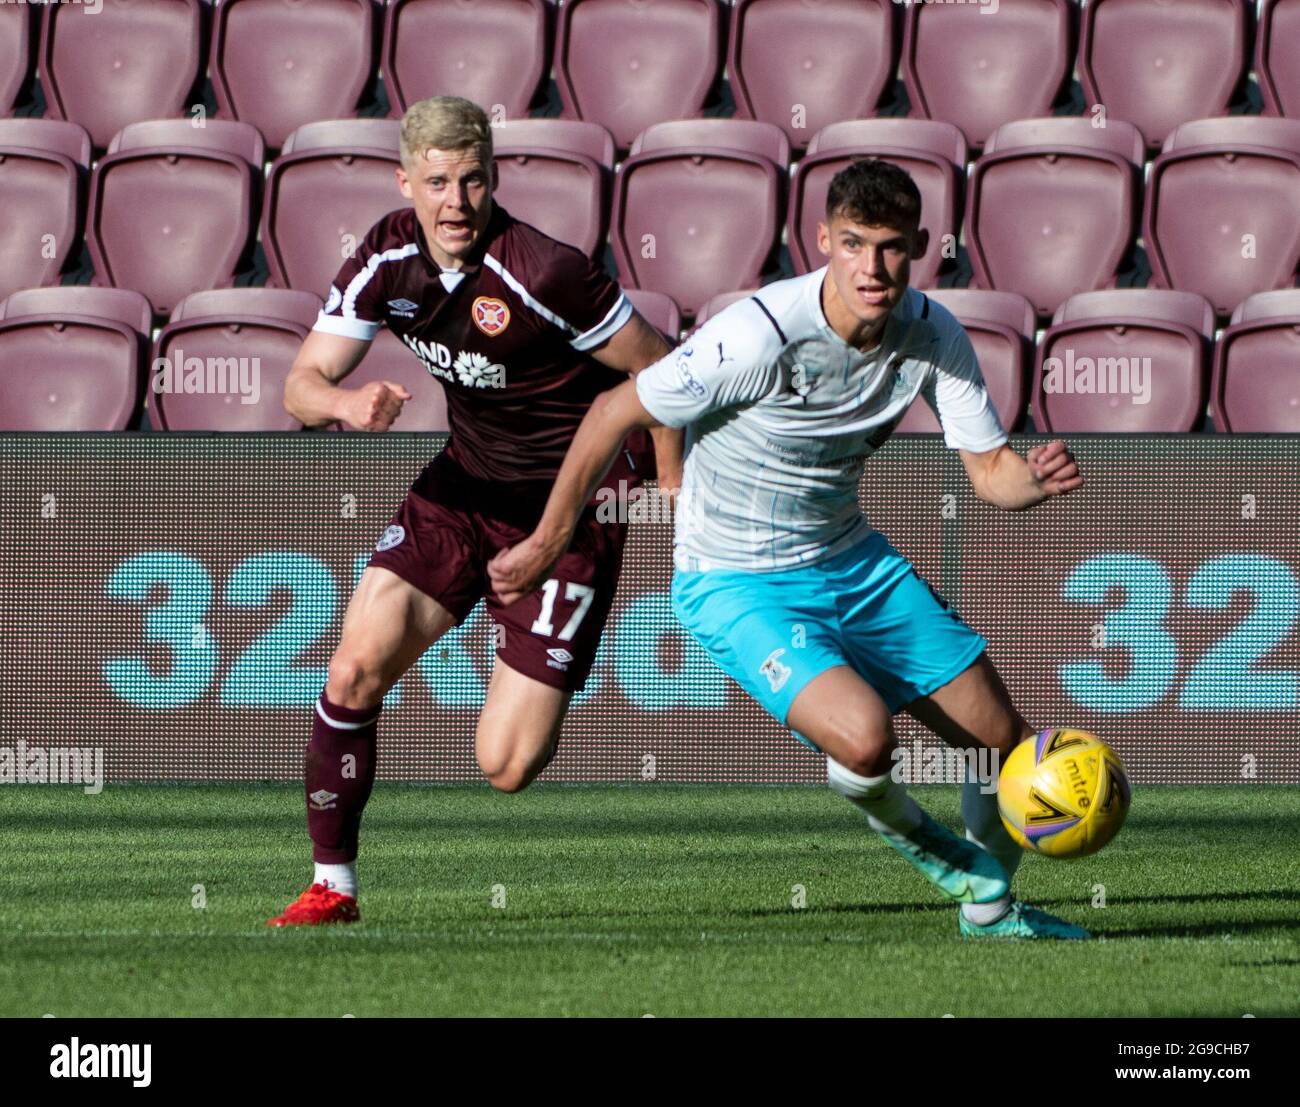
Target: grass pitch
[(636, 900)]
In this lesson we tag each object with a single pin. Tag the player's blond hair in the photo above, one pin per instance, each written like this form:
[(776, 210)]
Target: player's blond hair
[(445, 123)]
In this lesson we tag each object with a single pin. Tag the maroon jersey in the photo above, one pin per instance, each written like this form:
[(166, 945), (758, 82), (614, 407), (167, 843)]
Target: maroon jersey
[(507, 337)]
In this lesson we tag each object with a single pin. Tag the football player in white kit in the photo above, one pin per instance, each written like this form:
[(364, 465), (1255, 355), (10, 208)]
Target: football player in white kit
[(784, 395)]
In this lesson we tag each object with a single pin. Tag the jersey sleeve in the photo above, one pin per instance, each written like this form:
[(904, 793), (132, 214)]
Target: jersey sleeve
[(731, 361), (957, 395), (354, 307), (580, 298)]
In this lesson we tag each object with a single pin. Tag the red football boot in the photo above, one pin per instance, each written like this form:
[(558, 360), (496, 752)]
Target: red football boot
[(316, 906)]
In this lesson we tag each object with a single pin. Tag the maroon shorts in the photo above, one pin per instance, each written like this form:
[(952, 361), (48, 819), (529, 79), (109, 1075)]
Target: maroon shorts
[(452, 524)]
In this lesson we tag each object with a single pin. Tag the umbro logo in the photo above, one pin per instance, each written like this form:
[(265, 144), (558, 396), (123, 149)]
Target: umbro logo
[(404, 308), (321, 800), (559, 659)]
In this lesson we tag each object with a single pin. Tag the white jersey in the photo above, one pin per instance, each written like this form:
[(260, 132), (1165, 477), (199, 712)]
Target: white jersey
[(782, 412)]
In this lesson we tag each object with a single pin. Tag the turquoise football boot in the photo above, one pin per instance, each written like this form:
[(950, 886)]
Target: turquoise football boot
[(1023, 921), (958, 868)]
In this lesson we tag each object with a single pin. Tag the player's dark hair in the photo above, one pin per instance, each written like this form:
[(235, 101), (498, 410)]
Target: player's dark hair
[(874, 193)]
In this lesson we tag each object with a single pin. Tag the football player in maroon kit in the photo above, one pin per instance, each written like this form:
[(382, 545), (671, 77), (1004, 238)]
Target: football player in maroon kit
[(523, 332)]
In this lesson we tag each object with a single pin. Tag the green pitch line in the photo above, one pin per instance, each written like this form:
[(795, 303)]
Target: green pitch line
[(630, 900)]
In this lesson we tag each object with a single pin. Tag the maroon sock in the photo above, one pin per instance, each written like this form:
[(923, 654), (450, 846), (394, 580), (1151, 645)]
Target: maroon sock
[(340, 770)]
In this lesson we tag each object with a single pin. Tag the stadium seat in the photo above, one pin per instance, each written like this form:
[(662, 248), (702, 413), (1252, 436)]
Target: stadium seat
[(1277, 56), (556, 174), (979, 69), (1255, 386), (332, 182), (1052, 207), (493, 52), (629, 63), (1158, 65), (803, 66), (72, 358), (934, 153), (241, 334), (16, 24), (693, 220), (1001, 328), (1124, 360), (278, 64), (43, 169), (659, 311), (173, 208), (721, 302), (390, 359), (129, 62), (1221, 214)]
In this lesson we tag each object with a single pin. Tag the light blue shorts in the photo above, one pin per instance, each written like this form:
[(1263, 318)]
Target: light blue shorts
[(773, 632)]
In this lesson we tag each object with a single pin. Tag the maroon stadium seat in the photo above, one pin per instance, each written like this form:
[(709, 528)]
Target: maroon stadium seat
[(752, 136), (659, 311), (1052, 207), (1277, 56), (1001, 328), (43, 165), (122, 304), (330, 185), (72, 359), (1100, 339), (629, 63), (803, 66), (16, 25), (173, 207), (695, 220), (278, 64), (1256, 382), (979, 69), (233, 323), (721, 302), (934, 153), (1221, 214), (1158, 65), (493, 52), (131, 61), (556, 174), (390, 359)]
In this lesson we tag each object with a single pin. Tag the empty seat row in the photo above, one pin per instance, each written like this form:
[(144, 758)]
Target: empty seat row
[(1052, 207), (628, 64), (1144, 360), (80, 358)]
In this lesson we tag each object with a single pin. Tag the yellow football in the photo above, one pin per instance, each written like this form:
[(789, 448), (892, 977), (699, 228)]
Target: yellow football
[(1063, 793)]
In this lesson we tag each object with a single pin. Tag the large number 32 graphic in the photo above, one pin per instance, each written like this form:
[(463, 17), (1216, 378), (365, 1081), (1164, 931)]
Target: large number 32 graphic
[(1225, 677)]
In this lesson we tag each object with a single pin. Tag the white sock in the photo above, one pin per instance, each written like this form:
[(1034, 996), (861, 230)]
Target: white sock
[(882, 799), (979, 811), (339, 878)]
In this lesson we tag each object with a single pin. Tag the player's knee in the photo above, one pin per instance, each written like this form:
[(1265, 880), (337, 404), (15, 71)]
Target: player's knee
[(864, 748), (506, 769), (353, 683)]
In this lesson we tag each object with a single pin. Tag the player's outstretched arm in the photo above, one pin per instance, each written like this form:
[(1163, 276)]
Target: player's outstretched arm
[(519, 570), (1005, 479), (312, 394), (636, 346)]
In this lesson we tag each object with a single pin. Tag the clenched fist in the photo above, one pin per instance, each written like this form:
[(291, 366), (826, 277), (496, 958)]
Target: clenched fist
[(374, 407)]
